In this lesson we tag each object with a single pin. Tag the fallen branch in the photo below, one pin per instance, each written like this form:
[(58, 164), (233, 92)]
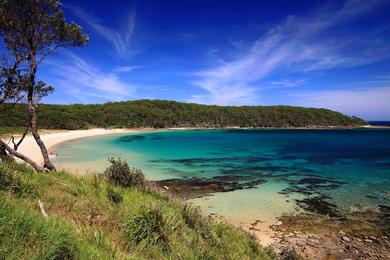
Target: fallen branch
[(44, 214), (21, 156)]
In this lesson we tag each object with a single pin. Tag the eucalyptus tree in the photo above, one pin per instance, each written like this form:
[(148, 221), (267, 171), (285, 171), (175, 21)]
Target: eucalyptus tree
[(33, 30)]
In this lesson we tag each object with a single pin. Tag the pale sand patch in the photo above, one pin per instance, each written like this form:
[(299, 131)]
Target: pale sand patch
[(30, 148), (254, 210)]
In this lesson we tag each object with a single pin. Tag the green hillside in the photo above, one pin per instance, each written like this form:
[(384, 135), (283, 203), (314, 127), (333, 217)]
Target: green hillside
[(90, 218), (160, 113)]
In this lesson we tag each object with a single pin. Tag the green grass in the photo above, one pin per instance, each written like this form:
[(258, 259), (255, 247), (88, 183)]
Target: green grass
[(85, 222)]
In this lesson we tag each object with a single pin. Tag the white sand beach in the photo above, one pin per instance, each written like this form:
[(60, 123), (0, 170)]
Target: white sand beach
[(31, 149)]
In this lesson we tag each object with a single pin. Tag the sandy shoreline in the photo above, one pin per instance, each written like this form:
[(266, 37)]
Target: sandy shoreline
[(51, 140)]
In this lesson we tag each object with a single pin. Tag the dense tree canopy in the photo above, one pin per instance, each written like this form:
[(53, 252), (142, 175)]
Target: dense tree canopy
[(160, 113)]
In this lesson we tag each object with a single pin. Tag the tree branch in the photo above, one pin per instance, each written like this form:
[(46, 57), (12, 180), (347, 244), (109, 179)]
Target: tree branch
[(16, 145), (21, 156)]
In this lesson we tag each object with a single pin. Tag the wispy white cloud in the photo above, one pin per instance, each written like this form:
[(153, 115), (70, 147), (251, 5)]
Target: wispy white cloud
[(369, 103), (122, 40), (127, 68), (288, 83), (295, 45), (83, 80)]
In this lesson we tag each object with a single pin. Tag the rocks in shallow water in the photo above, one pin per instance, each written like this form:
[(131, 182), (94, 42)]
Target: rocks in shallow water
[(368, 240), (198, 187), (256, 222), (319, 205), (311, 185), (131, 138)]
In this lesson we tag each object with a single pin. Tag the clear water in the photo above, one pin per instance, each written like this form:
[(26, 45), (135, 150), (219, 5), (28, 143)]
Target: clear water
[(350, 167)]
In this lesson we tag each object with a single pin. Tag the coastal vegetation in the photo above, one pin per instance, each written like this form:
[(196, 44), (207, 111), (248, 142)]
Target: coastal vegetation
[(83, 221), (161, 113), (31, 31)]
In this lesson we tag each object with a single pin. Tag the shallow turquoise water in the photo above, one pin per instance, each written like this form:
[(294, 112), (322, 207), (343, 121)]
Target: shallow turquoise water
[(347, 168)]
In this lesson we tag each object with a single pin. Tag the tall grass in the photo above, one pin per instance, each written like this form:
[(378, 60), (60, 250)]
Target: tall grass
[(85, 222), (26, 235), (149, 226)]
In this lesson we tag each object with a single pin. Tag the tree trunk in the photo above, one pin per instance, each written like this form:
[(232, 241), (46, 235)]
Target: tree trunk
[(3, 153), (38, 140), (33, 114), (21, 156)]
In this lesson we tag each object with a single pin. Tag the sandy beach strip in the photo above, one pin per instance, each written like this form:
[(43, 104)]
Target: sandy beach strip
[(30, 148)]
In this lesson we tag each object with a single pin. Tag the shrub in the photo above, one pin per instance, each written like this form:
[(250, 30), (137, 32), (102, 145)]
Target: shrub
[(194, 219), (11, 181), (7, 179), (149, 226), (114, 196), (119, 173)]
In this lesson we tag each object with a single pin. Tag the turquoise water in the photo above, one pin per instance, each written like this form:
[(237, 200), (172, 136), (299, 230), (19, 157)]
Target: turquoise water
[(348, 169)]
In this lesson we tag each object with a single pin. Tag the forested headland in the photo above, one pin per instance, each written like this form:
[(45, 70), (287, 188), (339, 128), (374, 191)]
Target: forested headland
[(161, 113)]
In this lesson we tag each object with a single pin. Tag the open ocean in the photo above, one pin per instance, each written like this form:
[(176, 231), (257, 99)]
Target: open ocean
[(270, 172)]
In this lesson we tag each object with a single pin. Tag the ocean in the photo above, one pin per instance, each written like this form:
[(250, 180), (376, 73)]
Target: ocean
[(261, 174)]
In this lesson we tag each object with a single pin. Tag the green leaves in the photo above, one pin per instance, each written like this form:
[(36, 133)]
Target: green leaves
[(37, 26), (119, 173)]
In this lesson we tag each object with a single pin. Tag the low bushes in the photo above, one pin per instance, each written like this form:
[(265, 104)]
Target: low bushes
[(195, 220), (119, 173), (148, 226), (10, 181), (114, 196)]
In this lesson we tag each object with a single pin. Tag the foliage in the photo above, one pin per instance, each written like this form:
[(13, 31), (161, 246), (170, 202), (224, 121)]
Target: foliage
[(160, 113), (37, 26), (85, 224), (119, 173), (114, 196), (195, 220), (148, 226), (10, 181), (32, 30)]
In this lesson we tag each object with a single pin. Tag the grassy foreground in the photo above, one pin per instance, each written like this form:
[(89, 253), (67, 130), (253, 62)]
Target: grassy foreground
[(89, 218)]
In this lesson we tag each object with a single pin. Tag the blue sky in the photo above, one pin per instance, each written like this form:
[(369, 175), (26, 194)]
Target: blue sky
[(333, 54)]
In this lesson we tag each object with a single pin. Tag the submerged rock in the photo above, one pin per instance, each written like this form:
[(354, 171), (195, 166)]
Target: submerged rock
[(199, 187), (319, 205)]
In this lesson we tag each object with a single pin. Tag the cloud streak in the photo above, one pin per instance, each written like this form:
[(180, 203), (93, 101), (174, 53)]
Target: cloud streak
[(121, 40), (84, 81), (296, 45)]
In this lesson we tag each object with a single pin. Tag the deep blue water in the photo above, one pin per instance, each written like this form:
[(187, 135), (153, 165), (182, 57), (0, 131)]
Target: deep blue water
[(347, 168), (379, 123)]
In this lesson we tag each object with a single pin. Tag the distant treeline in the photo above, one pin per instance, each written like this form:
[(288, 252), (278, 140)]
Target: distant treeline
[(161, 113)]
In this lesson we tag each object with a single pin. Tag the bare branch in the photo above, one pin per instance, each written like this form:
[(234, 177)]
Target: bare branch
[(21, 156)]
